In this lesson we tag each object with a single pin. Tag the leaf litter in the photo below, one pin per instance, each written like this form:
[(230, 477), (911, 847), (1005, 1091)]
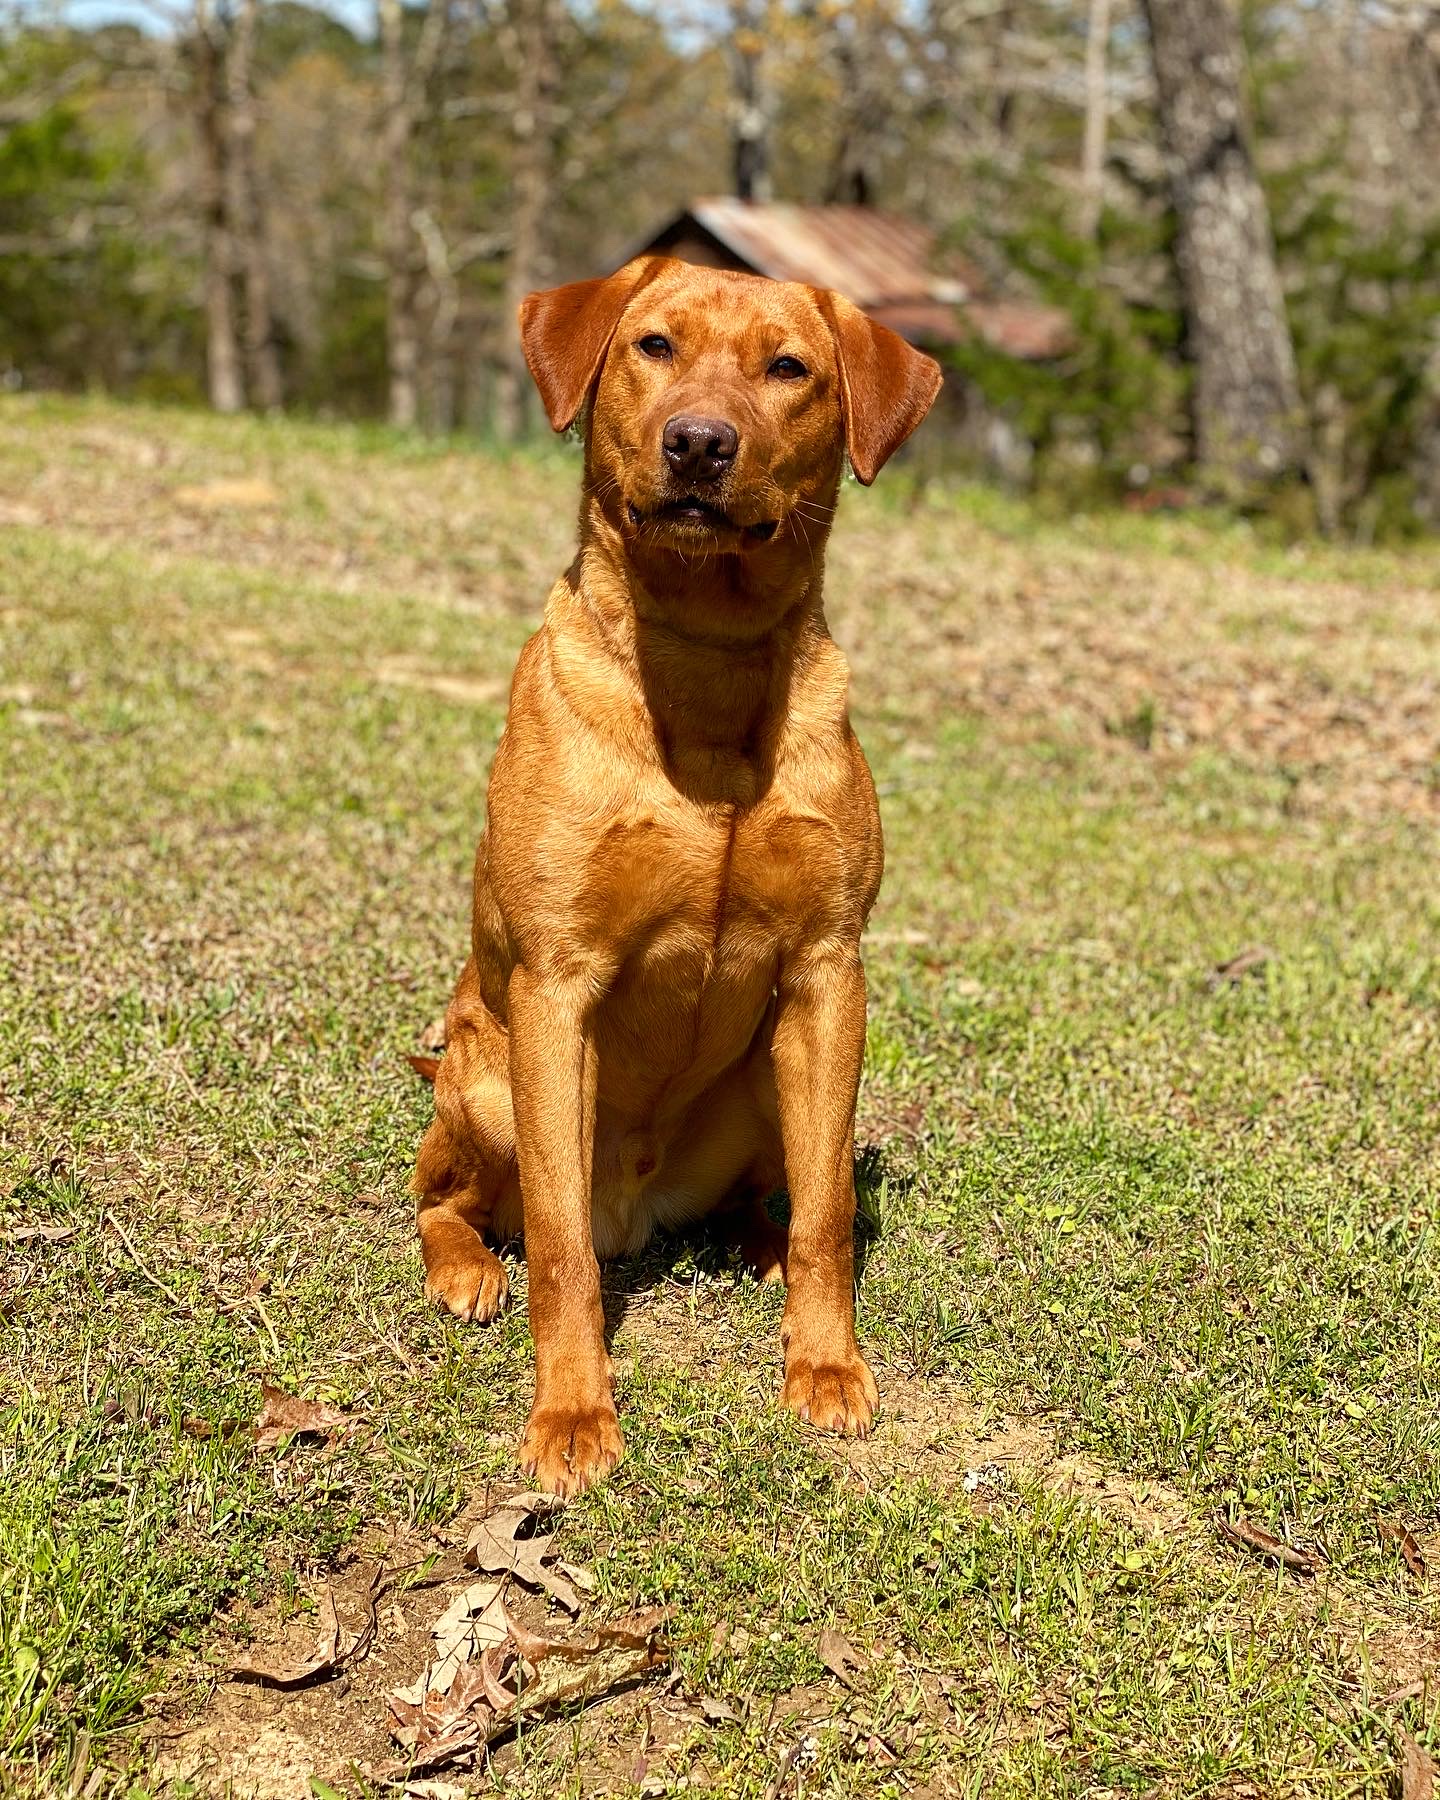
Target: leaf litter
[(490, 1667), (474, 1621), (1417, 1770), (284, 1417), (1265, 1543), (1407, 1544), (527, 1673), (841, 1657), (322, 1661), (1253, 961), (330, 1655), (497, 1547)]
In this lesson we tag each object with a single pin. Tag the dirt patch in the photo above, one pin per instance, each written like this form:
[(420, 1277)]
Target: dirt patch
[(464, 690), (224, 1735), (210, 1733), (255, 1740)]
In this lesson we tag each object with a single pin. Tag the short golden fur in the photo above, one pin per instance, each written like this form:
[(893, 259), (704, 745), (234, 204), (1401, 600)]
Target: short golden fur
[(663, 1013)]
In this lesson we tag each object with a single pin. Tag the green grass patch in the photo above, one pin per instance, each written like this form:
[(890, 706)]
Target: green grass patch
[(1172, 1228)]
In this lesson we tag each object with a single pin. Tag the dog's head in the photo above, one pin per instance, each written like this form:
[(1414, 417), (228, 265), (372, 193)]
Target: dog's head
[(722, 405)]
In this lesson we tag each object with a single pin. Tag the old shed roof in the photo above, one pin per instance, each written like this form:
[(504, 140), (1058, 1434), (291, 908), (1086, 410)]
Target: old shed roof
[(890, 265)]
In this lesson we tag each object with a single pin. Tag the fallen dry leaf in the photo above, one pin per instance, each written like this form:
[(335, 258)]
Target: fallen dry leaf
[(495, 1548), (546, 1672), (841, 1657), (282, 1417), (1417, 1770), (48, 1234), (607, 1658), (323, 1660), (473, 1621), (1405, 1541), (203, 1428), (583, 1578), (426, 1067), (1248, 962), (441, 1727), (433, 1036), (1266, 1544)]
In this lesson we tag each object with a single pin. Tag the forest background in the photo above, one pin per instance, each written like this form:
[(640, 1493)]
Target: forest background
[(261, 203)]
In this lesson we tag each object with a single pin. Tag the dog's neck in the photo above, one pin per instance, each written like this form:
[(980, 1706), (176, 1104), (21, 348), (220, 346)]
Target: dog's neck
[(714, 655)]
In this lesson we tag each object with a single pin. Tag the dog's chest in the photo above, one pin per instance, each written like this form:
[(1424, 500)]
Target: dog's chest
[(696, 935), (719, 893)]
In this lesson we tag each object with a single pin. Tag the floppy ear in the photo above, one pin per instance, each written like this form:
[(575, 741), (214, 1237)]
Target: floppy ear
[(565, 332), (886, 386)]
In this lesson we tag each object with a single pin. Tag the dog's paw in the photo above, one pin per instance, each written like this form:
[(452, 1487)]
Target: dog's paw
[(471, 1284), (764, 1248), (567, 1448), (836, 1396)]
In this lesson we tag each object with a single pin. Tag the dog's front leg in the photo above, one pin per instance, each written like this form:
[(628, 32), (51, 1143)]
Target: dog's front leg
[(573, 1435), (818, 1045)]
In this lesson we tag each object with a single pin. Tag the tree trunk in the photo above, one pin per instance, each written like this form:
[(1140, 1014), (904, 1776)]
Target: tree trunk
[(222, 346), (1097, 118), (1246, 397), (1004, 100), (402, 329), (406, 93), (439, 347), (750, 123), (860, 62), (537, 26), (262, 362)]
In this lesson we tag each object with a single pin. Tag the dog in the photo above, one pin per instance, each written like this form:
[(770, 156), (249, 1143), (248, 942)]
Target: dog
[(663, 1012)]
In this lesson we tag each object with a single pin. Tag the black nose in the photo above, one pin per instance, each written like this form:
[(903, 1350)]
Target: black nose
[(700, 449)]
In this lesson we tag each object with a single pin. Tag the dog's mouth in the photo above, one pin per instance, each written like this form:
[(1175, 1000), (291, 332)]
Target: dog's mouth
[(695, 513)]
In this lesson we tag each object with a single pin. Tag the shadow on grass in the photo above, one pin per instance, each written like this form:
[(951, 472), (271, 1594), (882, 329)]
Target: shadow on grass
[(706, 1249)]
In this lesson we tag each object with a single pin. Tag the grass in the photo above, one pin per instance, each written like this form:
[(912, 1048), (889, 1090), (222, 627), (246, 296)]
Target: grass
[(1139, 1243)]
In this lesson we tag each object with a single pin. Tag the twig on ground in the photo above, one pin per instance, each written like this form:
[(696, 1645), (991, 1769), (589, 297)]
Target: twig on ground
[(142, 1265)]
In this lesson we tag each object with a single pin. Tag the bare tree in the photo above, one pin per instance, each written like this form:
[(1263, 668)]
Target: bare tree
[(1246, 396), (749, 111), (537, 25), (406, 85), (247, 232), (208, 97), (1097, 117), (867, 99)]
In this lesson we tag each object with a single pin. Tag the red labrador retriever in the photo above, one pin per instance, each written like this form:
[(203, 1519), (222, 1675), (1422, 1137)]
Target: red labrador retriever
[(663, 1012)]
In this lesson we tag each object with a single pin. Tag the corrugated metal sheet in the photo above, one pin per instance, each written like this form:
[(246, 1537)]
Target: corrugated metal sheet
[(888, 265), (873, 258)]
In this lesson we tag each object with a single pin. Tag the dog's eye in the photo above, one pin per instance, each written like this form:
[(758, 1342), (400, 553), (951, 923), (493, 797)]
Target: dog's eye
[(788, 368), (657, 348)]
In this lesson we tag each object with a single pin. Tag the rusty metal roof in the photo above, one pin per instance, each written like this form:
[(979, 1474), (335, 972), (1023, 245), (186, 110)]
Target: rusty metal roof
[(873, 258), (889, 265)]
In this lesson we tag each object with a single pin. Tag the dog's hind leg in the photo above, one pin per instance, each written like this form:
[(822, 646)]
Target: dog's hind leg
[(730, 1151), (744, 1218), (763, 1245), (465, 1179)]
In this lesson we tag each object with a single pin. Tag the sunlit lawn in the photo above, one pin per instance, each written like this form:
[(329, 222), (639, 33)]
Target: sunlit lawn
[(1141, 1243)]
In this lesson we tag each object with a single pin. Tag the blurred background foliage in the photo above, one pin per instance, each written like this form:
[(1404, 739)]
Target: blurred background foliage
[(363, 197)]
